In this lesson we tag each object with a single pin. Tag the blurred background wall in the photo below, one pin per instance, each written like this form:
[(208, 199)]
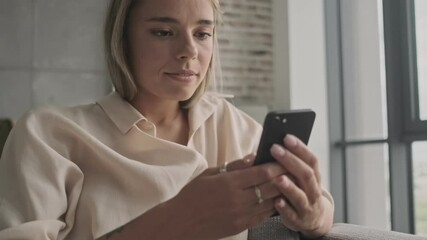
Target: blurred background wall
[(50, 53), (272, 53)]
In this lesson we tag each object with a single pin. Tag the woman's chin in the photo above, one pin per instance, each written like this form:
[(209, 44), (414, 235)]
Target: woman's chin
[(186, 97), (181, 96)]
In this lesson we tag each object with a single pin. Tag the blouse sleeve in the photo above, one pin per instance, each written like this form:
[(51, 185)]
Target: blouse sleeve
[(39, 185)]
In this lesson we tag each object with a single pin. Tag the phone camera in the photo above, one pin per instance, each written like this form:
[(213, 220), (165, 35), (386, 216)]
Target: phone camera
[(284, 120)]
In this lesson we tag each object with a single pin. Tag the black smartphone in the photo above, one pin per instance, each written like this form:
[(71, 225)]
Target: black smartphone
[(277, 124)]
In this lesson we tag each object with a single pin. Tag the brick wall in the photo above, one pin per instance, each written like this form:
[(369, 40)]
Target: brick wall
[(246, 50)]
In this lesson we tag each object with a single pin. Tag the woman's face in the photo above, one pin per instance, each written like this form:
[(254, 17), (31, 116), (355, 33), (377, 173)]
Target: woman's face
[(170, 46)]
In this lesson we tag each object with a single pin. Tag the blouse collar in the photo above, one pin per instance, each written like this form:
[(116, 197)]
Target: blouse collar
[(125, 116)]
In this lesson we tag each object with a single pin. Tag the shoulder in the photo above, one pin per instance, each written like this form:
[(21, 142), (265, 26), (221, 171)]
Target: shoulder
[(47, 118), (38, 117)]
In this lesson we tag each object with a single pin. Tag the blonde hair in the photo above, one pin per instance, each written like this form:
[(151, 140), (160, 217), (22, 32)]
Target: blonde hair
[(118, 62)]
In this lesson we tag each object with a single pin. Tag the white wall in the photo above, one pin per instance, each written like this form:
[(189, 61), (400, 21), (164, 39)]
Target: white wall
[(302, 78), (365, 112), (301, 68)]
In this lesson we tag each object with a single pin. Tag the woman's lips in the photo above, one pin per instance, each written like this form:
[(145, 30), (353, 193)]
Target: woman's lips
[(182, 76)]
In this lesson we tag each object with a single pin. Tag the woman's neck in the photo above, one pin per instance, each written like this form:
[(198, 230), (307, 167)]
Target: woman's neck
[(171, 121), (159, 111)]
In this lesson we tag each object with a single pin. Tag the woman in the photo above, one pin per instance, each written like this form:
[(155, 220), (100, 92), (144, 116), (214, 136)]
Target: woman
[(142, 162)]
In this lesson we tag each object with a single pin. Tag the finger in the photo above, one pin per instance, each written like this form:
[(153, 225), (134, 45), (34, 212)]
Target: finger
[(243, 163), (261, 217), (266, 205), (298, 148), (257, 175), (246, 162), (268, 190), (303, 173), (288, 214), (210, 172), (293, 194)]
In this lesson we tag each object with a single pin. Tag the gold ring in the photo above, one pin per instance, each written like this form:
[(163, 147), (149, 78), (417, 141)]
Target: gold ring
[(223, 167), (258, 194)]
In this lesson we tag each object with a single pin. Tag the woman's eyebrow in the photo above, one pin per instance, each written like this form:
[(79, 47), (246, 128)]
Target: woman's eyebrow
[(173, 20)]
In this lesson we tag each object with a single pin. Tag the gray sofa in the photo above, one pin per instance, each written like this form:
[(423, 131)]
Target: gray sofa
[(274, 230)]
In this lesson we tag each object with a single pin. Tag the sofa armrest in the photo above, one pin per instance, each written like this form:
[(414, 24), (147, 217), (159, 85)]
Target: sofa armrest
[(343, 231), (273, 229)]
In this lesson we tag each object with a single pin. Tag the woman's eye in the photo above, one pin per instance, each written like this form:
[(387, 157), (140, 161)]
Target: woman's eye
[(203, 35), (162, 33)]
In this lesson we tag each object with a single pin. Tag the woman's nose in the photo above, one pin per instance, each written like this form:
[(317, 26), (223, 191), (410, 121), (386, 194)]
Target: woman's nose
[(187, 49)]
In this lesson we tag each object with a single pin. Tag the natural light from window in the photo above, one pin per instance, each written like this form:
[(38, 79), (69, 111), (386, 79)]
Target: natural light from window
[(419, 149), (421, 32), (419, 166)]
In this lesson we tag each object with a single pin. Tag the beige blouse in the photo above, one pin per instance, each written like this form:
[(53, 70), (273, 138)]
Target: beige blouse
[(79, 173)]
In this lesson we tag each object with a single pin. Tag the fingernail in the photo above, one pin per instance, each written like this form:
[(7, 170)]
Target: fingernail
[(249, 158), (277, 150), (285, 181), (290, 140), (281, 203)]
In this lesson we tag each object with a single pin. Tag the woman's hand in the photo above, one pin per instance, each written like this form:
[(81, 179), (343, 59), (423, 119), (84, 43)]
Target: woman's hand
[(303, 207), (215, 205), (212, 206)]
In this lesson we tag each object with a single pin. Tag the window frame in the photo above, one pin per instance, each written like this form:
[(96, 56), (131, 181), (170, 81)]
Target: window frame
[(402, 74), (399, 66), (415, 129), (404, 124)]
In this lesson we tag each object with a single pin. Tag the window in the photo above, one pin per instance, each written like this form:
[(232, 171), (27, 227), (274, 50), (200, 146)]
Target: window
[(419, 148), (377, 67), (358, 107), (421, 40), (419, 156)]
